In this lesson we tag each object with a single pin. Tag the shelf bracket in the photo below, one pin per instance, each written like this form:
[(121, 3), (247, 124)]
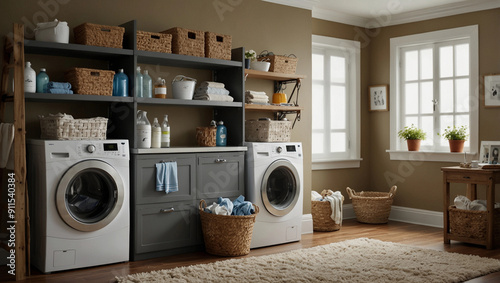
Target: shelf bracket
[(279, 86)]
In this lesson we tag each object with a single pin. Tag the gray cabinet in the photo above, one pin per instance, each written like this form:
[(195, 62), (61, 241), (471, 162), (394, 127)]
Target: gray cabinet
[(165, 224)]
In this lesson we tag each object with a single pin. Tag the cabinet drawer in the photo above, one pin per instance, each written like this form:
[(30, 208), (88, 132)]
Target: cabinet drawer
[(220, 175), (464, 177), (144, 190), (165, 226)]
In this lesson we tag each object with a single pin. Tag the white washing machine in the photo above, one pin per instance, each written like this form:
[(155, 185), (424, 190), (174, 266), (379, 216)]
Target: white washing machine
[(79, 200), (274, 181)]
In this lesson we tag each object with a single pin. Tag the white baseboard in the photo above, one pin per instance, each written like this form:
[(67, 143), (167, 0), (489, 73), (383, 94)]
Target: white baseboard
[(398, 213)]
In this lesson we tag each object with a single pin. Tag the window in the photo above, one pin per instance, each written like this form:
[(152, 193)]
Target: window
[(336, 103), (436, 85)]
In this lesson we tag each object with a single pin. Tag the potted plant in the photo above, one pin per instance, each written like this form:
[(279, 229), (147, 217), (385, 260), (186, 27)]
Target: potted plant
[(413, 137), (456, 137), (250, 55)]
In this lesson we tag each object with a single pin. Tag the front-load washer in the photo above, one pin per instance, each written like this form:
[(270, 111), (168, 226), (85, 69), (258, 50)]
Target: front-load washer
[(274, 182), (79, 201)]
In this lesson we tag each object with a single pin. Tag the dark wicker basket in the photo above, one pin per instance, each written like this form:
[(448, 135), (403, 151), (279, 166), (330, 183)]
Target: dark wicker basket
[(187, 41), (472, 224), (91, 81), (156, 42), (99, 35)]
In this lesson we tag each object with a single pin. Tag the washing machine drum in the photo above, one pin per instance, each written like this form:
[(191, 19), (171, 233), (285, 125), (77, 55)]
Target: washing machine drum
[(280, 188), (89, 195)]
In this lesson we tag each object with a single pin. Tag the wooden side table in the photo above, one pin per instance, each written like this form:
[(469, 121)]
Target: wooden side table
[(472, 177)]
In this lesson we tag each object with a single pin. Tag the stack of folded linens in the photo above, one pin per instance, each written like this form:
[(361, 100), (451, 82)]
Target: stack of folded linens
[(213, 91)]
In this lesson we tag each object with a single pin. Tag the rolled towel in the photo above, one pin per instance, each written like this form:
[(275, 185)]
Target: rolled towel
[(212, 90), (59, 85), (212, 84)]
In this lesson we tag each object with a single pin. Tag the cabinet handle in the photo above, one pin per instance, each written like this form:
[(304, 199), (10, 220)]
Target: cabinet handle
[(218, 160), (166, 210), (466, 177)]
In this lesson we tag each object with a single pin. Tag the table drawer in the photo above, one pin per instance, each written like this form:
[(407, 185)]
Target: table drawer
[(467, 177)]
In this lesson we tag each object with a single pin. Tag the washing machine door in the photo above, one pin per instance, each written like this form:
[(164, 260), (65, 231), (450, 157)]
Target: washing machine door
[(280, 188), (89, 195)]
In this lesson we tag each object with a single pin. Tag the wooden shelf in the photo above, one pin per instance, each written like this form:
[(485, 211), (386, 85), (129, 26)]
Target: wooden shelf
[(273, 108), (271, 75)]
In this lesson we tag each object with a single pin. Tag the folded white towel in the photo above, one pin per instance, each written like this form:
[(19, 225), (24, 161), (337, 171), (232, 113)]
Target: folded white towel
[(6, 141), (255, 100), (258, 96), (214, 97), (253, 92), (212, 84), (212, 90)]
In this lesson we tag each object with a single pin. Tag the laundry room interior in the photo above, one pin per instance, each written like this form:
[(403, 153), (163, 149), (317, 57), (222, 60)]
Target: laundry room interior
[(149, 122)]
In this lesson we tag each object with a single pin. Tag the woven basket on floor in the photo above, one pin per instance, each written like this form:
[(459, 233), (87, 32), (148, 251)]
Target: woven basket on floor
[(227, 235), (91, 81), (372, 207), (152, 41), (99, 35), (321, 213), (472, 224), (187, 41)]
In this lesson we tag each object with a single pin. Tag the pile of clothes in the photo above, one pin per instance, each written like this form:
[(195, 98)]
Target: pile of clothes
[(213, 91), (462, 202), (336, 200), (61, 88), (257, 97), (224, 206)]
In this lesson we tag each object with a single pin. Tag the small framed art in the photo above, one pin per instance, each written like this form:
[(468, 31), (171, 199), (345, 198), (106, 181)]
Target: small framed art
[(492, 90), (379, 98), (490, 152)]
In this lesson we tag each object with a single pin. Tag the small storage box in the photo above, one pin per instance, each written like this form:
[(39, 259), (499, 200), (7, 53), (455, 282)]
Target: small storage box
[(472, 224), (227, 235), (217, 46), (268, 131), (205, 136), (65, 127), (372, 207), (187, 41), (281, 64), (151, 41), (99, 35), (91, 81), (321, 213)]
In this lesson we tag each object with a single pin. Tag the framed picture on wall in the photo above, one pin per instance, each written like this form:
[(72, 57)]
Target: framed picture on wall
[(379, 98), (490, 152), (492, 90)]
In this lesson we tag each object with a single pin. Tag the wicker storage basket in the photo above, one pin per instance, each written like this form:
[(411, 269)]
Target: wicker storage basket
[(65, 127), (217, 46), (151, 41), (267, 131), (372, 207), (205, 136), (473, 224), (321, 212), (91, 81), (227, 235), (281, 64), (99, 35), (187, 41)]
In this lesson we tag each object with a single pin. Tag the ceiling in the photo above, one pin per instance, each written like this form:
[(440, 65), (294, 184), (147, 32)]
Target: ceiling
[(373, 13)]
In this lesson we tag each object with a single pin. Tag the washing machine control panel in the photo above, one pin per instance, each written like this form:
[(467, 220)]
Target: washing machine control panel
[(117, 149)]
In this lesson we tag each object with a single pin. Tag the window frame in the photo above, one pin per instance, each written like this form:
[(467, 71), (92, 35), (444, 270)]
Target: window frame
[(353, 111), (397, 151)]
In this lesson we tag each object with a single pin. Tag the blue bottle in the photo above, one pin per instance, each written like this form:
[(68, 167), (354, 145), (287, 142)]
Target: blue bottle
[(42, 79), (120, 84), (221, 135)]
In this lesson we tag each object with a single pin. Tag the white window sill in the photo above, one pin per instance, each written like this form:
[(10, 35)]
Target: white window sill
[(336, 164), (430, 156)]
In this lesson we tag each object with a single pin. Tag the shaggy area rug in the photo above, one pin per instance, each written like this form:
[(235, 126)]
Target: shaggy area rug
[(359, 260)]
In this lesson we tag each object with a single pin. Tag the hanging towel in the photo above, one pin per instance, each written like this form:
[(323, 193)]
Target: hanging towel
[(336, 199), (212, 84), (166, 177), (242, 207), (59, 85), (6, 142)]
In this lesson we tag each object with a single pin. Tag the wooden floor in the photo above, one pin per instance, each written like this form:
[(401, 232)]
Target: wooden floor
[(410, 234)]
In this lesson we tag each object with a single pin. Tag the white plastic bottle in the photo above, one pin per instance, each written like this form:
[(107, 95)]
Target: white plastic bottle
[(138, 83), (156, 134), (29, 78), (165, 132), (143, 130)]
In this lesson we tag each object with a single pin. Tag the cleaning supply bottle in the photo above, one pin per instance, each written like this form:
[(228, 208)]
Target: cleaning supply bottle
[(221, 135), (155, 134), (165, 132), (160, 88), (42, 79), (29, 78), (120, 84), (138, 83), (147, 85), (143, 130)]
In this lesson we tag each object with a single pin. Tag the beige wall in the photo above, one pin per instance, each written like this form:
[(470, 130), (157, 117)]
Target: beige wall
[(421, 183)]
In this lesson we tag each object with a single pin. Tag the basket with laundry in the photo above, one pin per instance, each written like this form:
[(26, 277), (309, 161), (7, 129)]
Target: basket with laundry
[(326, 210), (372, 207), (228, 226)]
